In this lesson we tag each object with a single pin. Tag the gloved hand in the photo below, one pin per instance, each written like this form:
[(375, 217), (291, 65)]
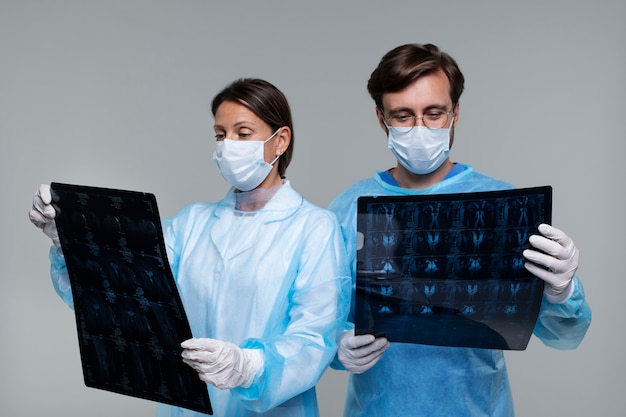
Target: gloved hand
[(359, 353), (42, 214), (222, 364), (555, 264)]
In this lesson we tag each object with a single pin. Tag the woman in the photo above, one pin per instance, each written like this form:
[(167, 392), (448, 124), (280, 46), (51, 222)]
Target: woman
[(261, 273)]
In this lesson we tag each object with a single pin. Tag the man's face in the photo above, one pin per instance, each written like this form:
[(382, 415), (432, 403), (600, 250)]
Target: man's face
[(427, 93)]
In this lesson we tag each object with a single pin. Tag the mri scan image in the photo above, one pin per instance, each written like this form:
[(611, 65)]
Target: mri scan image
[(448, 269)]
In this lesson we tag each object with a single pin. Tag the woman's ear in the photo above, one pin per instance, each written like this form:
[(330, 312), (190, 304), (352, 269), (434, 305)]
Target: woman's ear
[(283, 140)]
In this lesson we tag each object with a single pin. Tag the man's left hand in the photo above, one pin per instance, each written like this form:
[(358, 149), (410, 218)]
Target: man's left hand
[(555, 261)]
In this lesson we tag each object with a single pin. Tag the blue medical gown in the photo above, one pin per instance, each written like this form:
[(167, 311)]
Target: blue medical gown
[(421, 380), (277, 281)]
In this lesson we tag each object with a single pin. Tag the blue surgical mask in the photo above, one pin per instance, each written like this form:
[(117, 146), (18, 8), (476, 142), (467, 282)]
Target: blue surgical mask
[(242, 162), (419, 149)]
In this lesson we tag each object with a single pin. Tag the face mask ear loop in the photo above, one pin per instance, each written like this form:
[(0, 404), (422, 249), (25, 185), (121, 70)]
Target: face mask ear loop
[(275, 159), (450, 130), (270, 138)]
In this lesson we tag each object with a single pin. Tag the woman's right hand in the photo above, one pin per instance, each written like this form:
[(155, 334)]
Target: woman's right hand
[(42, 214)]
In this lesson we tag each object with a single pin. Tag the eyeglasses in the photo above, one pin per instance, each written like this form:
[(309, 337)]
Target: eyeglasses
[(433, 119)]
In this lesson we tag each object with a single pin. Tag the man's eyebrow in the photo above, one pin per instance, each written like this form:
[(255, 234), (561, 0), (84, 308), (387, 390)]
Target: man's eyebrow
[(436, 107), (397, 110), (401, 110)]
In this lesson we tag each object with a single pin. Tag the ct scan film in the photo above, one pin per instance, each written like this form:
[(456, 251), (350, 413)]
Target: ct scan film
[(448, 269), (129, 316)]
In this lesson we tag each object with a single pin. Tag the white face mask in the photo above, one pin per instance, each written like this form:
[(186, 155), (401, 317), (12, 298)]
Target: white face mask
[(419, 149), (242, 163)]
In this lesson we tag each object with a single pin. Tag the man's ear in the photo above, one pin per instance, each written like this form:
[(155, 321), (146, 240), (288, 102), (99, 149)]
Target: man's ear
[(381, 120), (456, 109)]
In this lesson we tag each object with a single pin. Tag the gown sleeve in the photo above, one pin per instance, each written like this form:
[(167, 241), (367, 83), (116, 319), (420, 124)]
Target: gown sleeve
[(318, 304), (563, 326), (60, 277)]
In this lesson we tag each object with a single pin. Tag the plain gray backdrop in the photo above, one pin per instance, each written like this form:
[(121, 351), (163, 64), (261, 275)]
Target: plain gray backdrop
[(117, 94)]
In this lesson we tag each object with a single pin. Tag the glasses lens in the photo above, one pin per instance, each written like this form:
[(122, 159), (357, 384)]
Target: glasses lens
[(436, 119), (401, 122)]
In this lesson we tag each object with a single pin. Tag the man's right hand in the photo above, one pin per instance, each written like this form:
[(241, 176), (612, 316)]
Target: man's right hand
[(359, 353)]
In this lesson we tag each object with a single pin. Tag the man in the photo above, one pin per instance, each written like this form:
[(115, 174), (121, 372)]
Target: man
[(416, 89)]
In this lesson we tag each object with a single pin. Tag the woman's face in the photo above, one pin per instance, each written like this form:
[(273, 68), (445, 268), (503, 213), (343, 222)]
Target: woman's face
[(235, 121)]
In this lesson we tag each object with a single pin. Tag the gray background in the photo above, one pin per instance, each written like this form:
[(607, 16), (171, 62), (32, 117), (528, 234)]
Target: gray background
[(117, 93)]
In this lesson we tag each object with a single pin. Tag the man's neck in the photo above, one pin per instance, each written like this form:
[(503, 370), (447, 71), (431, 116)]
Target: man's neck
[(407, 179)]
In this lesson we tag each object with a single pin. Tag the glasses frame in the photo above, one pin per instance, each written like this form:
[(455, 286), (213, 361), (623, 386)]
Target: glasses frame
[(418, 116)]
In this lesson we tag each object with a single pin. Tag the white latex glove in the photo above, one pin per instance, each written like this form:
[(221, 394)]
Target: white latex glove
[(222, 364), (42, 214), (555, 264), (359, 353)]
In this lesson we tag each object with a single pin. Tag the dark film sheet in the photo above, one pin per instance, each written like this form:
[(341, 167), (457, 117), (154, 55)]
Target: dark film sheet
[(448, 269), (129, 316)]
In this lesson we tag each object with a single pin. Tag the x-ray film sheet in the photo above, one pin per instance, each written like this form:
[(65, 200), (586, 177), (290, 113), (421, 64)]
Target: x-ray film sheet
[(129, 316), (447, 269)]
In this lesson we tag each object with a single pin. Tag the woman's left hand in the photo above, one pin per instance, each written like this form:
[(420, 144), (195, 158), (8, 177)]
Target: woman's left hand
[(220, 363)]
